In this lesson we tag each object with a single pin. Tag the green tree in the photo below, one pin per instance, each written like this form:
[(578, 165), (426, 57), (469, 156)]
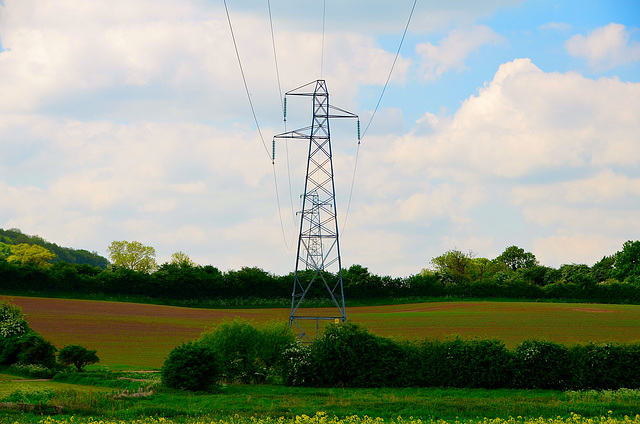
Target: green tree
[(602, 269), (248, 353), (133, 255), (34, 349), (181, 258), (31, 255), (454, 265), (627, 261), (5, 250), (191, 366), (482, 267), (516, 258), (78, 356)]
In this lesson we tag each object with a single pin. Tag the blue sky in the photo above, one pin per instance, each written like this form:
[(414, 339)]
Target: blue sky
[(505, 122)]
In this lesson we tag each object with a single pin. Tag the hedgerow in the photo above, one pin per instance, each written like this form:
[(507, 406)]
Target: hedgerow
[(348, 355)]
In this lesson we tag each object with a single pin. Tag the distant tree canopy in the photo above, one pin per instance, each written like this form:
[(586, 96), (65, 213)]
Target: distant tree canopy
[(514, 274), (14, 237), (31, 254), (626, 263), (454, 265), (181, 258), (515, 258), (133, 255)]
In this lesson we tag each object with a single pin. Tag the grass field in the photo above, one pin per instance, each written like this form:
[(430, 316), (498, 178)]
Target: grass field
[(141, 336)]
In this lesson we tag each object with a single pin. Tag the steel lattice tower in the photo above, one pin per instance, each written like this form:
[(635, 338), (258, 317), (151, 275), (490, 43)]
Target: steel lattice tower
[(318, 256)]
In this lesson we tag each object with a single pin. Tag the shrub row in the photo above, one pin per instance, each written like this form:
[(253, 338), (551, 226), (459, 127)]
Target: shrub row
[(234, 351), (348, 355)]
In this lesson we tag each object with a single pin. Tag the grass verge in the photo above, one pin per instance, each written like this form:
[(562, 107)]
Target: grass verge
[(267, 401)]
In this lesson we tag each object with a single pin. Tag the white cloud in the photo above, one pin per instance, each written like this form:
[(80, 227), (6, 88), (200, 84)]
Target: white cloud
[(453, 50), (575, 248), (528, 138), (526, 120), (131, 122), (168, 59), (606, 187), (605, 47)]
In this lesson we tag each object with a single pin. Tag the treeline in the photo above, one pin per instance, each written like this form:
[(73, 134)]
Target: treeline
[(181, 281), (15, 237), (515, 274)]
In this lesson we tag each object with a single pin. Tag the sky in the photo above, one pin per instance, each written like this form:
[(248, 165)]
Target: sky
[(504, 122)]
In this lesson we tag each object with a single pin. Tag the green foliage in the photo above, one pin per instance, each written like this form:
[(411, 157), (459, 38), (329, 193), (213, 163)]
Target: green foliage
[(27, 348), (454, 266), (298, 368), (248, 353), (513, 275), (62, 254), (185, 281), (31, 371), (627, 262), (348, 355), (34, 349), (460, 363), (516, 258), (12, 320), (133, 255), (191, 366), (31, 255), (181, 258), (19, 343), (606, 365), (5, 250), (542, 364), (78, 356), (602, 269), (120, 380), (27, 395)]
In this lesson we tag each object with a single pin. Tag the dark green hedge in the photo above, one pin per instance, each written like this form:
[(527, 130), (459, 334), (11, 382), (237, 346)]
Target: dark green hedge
[(348, 355)]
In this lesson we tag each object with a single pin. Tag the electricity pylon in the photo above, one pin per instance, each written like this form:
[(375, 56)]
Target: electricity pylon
[(318, 253)]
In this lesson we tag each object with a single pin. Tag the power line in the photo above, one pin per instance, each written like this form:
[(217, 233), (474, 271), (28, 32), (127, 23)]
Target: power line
[(392, 66), (244, 80), (253, 111), (355, 165), (283, 106), (275, 56)]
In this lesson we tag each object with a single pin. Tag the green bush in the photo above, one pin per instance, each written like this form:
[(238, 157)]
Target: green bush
[(31, 371), (78, 356), (430, 369), (34, 349), (606, 366), (248, 353), (28, 348), (12, 321), (299, 366), (542, 365), (477, 364), (191, 366), (348, 355)]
